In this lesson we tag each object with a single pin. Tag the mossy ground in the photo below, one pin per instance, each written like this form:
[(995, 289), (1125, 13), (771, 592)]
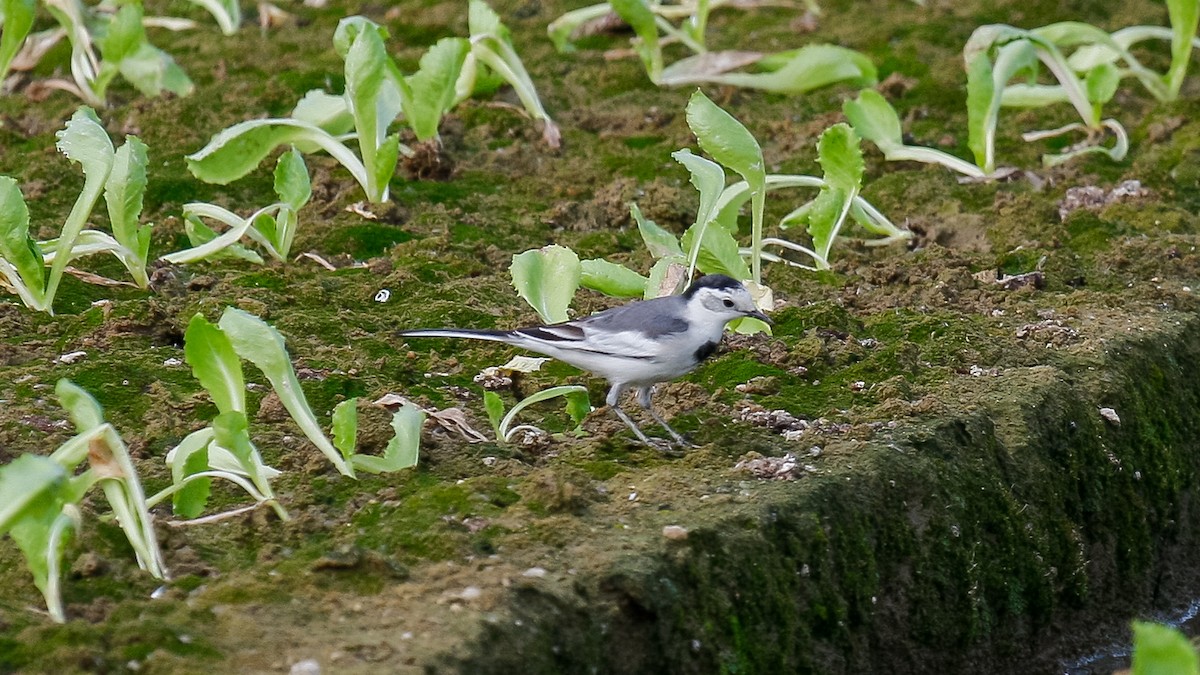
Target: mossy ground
[(968, 501)]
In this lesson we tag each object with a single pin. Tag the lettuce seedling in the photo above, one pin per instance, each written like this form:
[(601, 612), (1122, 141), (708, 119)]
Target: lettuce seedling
[(491, 46), (996, 54), (119, 36), (401, 452), (224, 449), (120, 175), (576, 397), (40, 496), (273, 227), (376, 95), (875, 120), (656, 24)]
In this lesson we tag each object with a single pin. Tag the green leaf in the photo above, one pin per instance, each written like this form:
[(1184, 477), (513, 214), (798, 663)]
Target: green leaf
[(1101, 85), (375, 100), (791, 72), (547, 279), (1162, 650), (18, 20), (659, 241), (200, 234), (29, 482), (83, 410), (123, 193), (238, 150), (561, 29), (330, 112), (483, 20), (840, 156), (84, 142), (874, 119), (717, 252), (186, 459), (824, 219), (231, 432), (123, 35), (345, 427), (16, 246), (215, 364), (579, 406), (709, 179), (667, 277), (494, 405), (981, 121), (724, 138), (41, 535), (638, 15), (292, 182), (228, 13), (433, 86), (263, 346), (147, 67), (538, 397), (611, 279), (402, 451), (1185, 16)]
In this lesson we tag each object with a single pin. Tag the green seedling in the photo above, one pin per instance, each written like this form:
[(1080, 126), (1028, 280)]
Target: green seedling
[(40, 496), (117, 34), (272, 227), (225, 450), (376, 95), (120, 175), (491, 48), (875, 120), (576, 397), (656, 25), (1159, 650)]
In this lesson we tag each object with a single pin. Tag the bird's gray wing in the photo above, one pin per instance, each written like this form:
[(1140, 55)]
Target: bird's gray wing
[(654, 319), (633, 331)]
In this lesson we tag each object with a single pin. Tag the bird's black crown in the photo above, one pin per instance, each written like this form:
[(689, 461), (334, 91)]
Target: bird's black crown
[(717, 281)]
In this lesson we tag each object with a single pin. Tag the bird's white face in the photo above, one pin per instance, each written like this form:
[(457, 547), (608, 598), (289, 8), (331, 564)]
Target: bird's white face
[(724, 304)]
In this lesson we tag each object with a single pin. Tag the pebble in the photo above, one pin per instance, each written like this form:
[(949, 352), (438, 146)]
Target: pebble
[(675, 532)]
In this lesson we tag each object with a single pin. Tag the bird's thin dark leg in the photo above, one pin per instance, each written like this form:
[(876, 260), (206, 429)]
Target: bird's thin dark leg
[(643, 398), (613, 400)]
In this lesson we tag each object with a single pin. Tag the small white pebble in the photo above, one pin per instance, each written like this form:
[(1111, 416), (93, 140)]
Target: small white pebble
[(489, 461), (305, 667), (534, 573), (1110, 416), (71, 357), (675, 532), (471, 593), (172, 362), (633, 496)]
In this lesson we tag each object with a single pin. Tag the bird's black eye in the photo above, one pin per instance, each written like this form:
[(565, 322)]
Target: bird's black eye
[(728, 302)]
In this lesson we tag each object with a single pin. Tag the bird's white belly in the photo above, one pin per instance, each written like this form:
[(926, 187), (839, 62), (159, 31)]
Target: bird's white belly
[(669, 360)]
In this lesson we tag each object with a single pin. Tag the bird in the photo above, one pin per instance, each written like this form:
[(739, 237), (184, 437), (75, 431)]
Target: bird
[(636, 345)]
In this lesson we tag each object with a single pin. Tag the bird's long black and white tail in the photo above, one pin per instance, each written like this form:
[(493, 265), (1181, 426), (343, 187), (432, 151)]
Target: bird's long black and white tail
[(490, 335)]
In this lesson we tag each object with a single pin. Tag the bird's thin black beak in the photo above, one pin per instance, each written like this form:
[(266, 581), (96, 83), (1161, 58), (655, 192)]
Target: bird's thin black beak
[(761, 317)]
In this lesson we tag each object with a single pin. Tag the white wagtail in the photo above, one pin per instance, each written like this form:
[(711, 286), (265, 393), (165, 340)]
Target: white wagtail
[(635, 345)]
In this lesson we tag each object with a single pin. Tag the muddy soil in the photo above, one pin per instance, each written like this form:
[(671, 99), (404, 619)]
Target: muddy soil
[(912, 474)]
